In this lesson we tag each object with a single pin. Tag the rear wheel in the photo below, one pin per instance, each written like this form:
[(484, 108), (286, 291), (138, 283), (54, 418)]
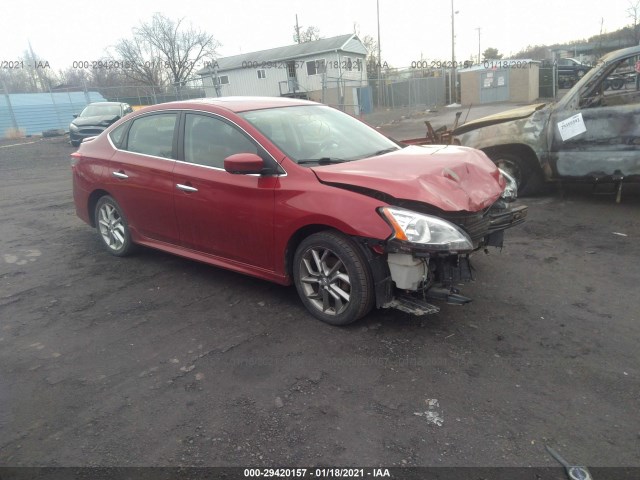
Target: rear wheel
[(112, 227), (528, 178), (332, 278)]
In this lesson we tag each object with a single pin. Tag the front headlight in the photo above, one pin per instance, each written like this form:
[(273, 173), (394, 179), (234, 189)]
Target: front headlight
[(73, 128), (511, 189), (425, 230)]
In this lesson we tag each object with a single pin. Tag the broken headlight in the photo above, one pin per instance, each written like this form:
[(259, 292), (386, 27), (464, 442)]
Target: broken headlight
[(425, 230), (510, 192)]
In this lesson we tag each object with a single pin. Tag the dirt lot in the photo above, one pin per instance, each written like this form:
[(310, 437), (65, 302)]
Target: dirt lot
[(156, 360)]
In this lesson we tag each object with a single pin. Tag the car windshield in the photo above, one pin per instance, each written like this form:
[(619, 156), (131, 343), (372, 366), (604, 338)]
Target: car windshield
[(317, 134), (100, 110)]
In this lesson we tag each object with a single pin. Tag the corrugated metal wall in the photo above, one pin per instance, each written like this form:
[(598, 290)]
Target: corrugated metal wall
[(34, 113)]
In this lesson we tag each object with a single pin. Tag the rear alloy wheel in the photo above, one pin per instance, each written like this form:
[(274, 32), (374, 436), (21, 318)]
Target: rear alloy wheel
[(528, 179), (112, 227), (332, 278)]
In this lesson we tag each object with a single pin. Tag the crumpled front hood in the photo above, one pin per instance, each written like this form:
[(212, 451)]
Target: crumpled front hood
[(450, 178), (513, 114)]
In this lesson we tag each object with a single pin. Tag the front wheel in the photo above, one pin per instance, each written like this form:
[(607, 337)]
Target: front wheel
[(529, 179), (332, 278), (112, 227)]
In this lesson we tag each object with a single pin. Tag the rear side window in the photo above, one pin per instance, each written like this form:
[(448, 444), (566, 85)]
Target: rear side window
[(153, 135), (117, 134)]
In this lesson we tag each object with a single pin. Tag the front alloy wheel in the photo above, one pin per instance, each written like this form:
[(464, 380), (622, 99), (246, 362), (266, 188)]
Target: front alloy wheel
[(332, 278), (112, 227)]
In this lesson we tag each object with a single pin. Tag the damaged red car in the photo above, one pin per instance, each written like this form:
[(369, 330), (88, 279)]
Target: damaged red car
[(296, 192)]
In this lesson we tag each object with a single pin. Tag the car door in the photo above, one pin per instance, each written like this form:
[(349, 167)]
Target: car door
[(219, 213), (599, 138), (140, 176)]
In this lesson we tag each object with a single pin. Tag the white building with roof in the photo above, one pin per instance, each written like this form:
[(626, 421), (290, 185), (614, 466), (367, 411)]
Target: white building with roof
[(330, 70)]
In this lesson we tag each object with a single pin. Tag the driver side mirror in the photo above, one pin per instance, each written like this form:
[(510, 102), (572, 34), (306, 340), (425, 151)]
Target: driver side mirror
[(244, 163)]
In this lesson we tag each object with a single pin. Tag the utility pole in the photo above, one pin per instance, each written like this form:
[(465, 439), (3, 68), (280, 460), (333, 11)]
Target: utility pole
[(452, 83), (478, 44), (379, 56), (297, 29)]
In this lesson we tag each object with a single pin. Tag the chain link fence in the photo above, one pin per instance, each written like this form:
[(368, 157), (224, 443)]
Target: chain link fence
[(410, 87), (25, 114)]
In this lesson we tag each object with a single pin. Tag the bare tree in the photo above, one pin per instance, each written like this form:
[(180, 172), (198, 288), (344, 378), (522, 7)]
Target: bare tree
[(35, 75), (371, 44), (139, 61), (17, 81), (181, 48), (74, 77), (633, 12), (309, 34), (164, 51), (372, 50), (96, 78)]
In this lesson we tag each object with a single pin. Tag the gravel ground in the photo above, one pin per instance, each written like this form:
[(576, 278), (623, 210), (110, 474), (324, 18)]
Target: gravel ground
[(157, 360)]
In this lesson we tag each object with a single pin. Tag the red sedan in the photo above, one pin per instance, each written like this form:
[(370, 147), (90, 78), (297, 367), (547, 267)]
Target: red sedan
[(295, 192)]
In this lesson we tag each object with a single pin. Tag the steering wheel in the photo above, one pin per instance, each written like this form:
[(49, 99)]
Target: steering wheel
[(594, 101), (327, 146)]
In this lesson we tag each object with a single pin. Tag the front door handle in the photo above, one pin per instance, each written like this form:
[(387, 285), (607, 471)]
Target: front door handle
[(119, 174), (186, 188)]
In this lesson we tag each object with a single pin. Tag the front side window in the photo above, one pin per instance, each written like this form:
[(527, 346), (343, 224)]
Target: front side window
[(153, 135), (209, 140), (612, 87)]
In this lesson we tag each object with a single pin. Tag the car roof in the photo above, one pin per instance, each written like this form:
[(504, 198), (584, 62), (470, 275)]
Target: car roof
[(234, 104)]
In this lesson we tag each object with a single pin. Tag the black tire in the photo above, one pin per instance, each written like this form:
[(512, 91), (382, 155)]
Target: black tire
[(333, 278), (617, 84), (75, 143), (112, 227), (528, 178)]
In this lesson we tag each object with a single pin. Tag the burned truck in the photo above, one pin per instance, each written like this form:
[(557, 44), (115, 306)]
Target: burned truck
[(591, 134)]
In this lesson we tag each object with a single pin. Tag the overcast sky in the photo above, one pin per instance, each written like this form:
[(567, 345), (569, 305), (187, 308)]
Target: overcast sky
[(63, 31)]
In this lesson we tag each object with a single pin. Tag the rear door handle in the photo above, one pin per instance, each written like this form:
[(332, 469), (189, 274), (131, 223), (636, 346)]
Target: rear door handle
[(186, 188), (119, 174)]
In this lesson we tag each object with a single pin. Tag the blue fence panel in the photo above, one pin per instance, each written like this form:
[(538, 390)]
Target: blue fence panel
[(35, 113)]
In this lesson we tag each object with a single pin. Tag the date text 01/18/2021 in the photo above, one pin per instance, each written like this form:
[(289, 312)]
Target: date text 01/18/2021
[(325, 472), (350, 64)]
